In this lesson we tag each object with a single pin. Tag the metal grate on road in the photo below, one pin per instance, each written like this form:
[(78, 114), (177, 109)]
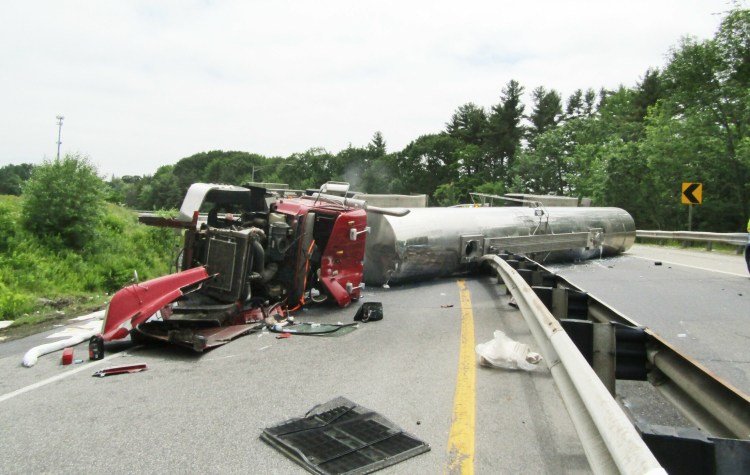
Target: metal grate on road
[(341, 437)]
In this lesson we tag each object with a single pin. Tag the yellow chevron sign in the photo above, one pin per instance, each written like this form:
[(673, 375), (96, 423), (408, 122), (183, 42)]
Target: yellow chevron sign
[(692, 193)]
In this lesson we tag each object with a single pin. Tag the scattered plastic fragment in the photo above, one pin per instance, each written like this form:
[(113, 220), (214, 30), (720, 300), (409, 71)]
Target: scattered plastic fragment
[(283, 335), (449, 305), (131, 368), (319, 329)]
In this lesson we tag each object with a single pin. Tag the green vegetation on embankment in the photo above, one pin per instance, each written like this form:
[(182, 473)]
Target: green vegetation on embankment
[(47, 271)]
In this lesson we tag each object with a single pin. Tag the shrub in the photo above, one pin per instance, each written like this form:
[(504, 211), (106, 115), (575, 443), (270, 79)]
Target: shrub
[(35, 268), (14, 304), (64, 198), (8, 226)]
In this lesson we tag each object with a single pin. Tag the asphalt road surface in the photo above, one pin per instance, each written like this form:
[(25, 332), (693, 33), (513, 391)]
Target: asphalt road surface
[(193, 412), (698, 301)]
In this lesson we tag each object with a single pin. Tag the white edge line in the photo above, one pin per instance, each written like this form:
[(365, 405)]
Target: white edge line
[(689, 266), (47, 381)]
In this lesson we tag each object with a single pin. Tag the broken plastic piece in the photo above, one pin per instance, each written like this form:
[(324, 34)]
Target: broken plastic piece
[(318, 329), (131, 368)]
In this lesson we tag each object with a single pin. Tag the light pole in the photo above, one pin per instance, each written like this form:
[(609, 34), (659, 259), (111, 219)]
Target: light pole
[(258, 168), (59, 134)]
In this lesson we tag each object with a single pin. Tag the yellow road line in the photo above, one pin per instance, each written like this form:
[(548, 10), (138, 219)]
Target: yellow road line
[(461, 439)]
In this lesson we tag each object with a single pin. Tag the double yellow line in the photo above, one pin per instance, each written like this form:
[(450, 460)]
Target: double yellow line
[(461, 439)]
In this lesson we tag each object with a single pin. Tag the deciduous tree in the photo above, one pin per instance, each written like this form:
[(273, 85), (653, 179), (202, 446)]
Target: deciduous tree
[(64, 199)]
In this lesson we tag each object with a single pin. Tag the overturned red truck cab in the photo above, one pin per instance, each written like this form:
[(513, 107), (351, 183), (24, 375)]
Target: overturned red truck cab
[(248, 255)]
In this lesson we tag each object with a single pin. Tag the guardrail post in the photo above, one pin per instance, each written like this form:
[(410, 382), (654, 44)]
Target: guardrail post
[(604, 362)]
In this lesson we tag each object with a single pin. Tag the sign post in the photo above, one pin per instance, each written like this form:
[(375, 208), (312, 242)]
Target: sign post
[(692, 194)]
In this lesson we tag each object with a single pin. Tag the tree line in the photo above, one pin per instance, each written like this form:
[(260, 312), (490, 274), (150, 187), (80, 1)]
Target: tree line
[(630, 147)]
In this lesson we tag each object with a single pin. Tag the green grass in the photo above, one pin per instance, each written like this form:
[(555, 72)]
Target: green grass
[(42, 281)]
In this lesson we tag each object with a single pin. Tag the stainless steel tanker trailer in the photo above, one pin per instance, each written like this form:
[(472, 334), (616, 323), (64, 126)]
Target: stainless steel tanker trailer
[(435, 242)]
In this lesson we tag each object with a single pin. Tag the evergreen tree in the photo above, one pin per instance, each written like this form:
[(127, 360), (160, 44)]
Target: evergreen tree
[(377, 145), (546, 113), (504, 132), (468, 124)]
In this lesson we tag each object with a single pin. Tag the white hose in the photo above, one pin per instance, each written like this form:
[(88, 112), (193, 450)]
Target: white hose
[(31, 356)]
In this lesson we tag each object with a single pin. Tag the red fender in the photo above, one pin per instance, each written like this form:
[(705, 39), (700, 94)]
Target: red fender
[(134, 304)]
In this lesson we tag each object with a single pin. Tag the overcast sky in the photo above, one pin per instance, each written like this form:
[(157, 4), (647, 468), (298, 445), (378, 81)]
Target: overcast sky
[(143, 84)]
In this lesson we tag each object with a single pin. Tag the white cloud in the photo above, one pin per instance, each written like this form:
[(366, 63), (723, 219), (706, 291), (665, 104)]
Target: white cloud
[(142, 84)]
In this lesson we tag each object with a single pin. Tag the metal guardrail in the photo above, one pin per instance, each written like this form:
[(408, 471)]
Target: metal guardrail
[(714, 405), (734, 239), (611, 443), (619, 349)]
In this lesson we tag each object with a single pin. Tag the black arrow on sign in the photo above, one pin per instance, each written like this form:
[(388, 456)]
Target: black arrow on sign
[(688, 193)]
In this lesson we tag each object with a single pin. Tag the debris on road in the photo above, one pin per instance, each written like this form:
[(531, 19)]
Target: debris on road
[(316, 329), (369, 312), (343, 437), (67, 356), (31, 356), (131, 368), (504, 352)]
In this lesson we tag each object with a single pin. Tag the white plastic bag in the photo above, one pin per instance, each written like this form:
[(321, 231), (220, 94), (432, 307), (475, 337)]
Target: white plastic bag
[(502, 352)]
